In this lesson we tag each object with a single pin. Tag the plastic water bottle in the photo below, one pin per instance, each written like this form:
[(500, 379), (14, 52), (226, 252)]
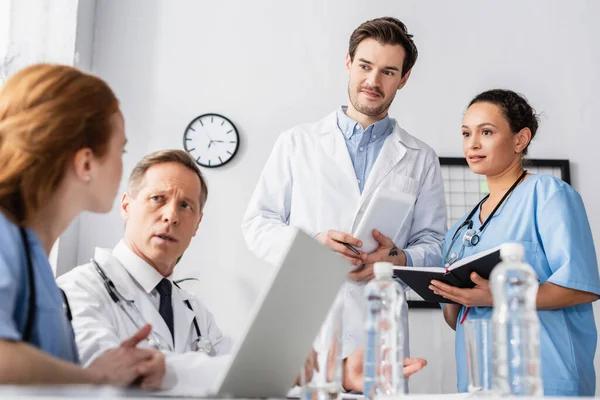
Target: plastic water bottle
[(515, 325), (384, 352)]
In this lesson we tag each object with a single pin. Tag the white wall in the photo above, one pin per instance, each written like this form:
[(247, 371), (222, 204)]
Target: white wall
[(33, 31), (4, 38), (268, 65), (42, 30)]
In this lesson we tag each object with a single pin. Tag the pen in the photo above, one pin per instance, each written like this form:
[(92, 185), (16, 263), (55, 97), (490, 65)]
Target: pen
[(351, 248)]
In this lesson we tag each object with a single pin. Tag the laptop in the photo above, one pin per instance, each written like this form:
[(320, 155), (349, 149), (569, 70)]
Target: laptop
[(285, 322)]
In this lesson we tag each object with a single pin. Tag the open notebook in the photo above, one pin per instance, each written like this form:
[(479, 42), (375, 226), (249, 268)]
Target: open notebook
[(458, 275)]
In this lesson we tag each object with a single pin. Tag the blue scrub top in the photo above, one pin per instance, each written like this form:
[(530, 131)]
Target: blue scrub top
[(548, 217), (52, 332)]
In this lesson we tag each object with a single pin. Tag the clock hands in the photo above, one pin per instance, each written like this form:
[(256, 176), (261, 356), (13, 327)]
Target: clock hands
[(210, 142), (206, 133), (207, 128)]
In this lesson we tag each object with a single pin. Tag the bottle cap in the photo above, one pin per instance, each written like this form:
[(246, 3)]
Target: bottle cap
[(512, 250), (383, 269)]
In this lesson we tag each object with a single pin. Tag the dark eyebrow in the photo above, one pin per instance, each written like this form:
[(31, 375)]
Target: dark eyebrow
[(392, 68), (482, 124)]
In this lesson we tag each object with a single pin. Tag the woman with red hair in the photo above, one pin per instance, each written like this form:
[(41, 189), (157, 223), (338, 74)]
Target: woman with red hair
[(61, 142)]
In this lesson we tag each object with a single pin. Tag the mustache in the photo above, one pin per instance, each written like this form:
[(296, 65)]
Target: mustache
[(375, 89)]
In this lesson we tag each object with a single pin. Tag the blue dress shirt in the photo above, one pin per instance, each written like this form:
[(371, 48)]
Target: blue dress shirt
[(364, 146)]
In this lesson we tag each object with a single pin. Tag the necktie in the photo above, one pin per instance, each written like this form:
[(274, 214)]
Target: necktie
[(165, 308)]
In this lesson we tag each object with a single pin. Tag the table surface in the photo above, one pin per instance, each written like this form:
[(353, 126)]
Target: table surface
[(90, 392)]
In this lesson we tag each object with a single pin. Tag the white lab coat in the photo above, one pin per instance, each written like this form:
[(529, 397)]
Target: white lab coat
[(100, 324), (309, 183)]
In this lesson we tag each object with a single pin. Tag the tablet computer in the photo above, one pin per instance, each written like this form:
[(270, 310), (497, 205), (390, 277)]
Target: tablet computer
[(387, 212)]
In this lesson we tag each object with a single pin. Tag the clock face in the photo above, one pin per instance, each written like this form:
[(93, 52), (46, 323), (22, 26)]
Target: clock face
[(211, 139)]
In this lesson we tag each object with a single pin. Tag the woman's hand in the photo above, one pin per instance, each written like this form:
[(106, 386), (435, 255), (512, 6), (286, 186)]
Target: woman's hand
[(480, 295)]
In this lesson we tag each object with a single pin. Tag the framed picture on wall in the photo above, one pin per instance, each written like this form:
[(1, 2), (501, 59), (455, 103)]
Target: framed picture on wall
[(463, 189)]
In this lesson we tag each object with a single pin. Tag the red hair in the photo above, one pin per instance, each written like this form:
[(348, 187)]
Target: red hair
[(47, 114)]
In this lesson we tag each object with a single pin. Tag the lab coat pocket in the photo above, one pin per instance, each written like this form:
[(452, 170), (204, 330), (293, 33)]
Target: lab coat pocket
[(405, 184)]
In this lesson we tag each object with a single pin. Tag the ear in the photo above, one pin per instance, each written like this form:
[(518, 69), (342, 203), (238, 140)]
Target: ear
[(404, 79), (522, 139), (198, 224), (125, 202), (82, 164), (348, 63)]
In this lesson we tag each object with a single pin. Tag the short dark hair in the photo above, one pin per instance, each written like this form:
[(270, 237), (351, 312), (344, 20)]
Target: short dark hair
[(161, 157), (386, 30), (515, 109)]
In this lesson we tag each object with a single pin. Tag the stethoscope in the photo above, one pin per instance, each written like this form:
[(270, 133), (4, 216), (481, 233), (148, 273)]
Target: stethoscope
[(472, 236), (155, 340), (32, 309)]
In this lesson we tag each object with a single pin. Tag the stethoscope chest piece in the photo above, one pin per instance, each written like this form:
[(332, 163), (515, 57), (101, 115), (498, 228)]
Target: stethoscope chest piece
[(472, 237), (202, 345)]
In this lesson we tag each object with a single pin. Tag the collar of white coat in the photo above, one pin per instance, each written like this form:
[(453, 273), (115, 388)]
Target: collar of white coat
[(330, 125), (142, 272), (120, 263)]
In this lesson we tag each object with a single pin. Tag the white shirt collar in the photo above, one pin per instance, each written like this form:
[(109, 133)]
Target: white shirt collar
[(142, 272)]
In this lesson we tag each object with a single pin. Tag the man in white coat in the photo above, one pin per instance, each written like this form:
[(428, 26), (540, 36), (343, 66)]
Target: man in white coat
[(321, 176), (162, 209)]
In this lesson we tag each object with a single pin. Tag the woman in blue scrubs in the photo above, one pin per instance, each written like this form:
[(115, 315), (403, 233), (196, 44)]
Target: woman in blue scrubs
[(61, 142), (548, 217)]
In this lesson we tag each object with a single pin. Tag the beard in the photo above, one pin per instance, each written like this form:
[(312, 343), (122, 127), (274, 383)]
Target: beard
[(365, 109)]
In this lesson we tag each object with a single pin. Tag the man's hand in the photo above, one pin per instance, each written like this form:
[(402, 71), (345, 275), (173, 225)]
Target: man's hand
[(353, 377), (387, 251), (334, 239), (352, 370), (413, 365), (310, 365), (123, 365), (480, 295)]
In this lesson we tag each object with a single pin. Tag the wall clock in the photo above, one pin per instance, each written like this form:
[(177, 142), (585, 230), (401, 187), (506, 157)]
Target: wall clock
[(211, 139)]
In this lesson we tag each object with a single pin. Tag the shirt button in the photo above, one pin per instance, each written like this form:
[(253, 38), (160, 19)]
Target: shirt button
[(361, 148), (374, 137), (358, 180)]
